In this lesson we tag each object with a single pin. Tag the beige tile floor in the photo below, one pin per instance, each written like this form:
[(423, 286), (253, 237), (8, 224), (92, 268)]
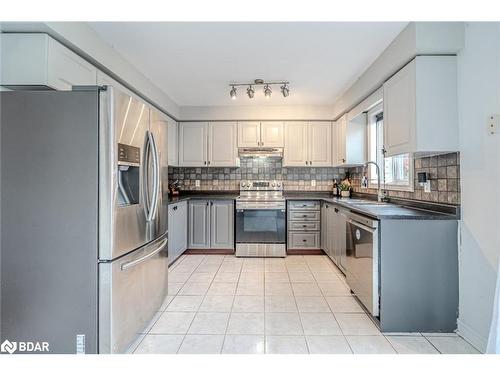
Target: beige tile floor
[(300, 304)]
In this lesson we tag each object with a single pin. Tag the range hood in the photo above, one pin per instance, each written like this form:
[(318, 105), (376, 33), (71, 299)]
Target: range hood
[(260, 152)]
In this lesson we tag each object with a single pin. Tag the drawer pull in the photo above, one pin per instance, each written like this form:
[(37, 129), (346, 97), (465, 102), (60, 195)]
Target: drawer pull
[(304, 240), (304, 226)]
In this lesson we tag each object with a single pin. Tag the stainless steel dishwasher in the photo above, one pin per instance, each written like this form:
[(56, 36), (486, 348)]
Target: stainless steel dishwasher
[(362, 252)]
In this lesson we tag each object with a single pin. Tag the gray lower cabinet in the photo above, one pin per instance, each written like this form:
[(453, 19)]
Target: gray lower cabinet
[(304, 225), (177, 230), (333, 240), (211, 224)]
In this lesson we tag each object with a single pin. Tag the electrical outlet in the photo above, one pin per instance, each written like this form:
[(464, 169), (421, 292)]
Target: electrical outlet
[(197, 183), (313, 182), (494, 124), (427, 186)]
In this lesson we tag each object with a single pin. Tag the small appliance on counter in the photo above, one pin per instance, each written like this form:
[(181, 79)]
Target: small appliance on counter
[(173, 188)]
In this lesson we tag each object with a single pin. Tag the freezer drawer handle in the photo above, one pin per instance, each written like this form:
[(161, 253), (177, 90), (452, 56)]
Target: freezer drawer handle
[(145, 257)]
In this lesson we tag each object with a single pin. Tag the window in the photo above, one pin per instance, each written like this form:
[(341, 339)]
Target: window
[(397, 171)]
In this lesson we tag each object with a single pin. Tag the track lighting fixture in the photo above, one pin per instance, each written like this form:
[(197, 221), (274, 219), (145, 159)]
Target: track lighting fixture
[(285, 90), (233, 93), (267, 91), (250, 91)]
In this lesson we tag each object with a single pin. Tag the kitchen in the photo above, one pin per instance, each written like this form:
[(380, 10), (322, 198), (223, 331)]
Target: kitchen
[(263, 218)]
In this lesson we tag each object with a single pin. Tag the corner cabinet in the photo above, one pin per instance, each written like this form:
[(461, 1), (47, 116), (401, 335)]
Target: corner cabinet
[(308, 144), (207, 144), (420, 107), (349, 141), (173, 142), (177, 230), (211, 224), (260, 134), (39, 60)]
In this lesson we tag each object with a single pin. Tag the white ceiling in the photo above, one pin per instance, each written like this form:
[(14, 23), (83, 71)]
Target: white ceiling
[(194, 62)]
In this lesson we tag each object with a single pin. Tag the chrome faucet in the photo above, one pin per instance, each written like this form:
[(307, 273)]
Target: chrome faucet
[(381, 197)]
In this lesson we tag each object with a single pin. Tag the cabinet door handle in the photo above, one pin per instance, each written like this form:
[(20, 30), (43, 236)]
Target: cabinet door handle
[(211, 203), (310, 162), (208, 203), (208, 162), (175, 208), (205, 162)]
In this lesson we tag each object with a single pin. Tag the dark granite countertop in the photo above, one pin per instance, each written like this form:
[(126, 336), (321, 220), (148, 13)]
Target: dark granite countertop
[(394, 210)]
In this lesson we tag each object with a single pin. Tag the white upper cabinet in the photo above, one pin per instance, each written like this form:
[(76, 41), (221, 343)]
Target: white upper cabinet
[(193, 144), (295, 151), (260, 134), (307, 144), (248, 134), (39, 60), (420, 107), (349, 140), (173, 149), (320, 144), (205, 144), (222, 150), (271, 134)]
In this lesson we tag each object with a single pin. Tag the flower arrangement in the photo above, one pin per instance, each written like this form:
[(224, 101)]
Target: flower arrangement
[(345, 185), (345, 188)]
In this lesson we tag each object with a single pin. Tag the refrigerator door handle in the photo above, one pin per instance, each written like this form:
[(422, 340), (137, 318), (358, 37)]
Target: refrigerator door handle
[(150, 201), (135, 262), (156, 177)]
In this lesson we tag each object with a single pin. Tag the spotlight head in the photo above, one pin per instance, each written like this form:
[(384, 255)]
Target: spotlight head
[(250, 91), (232, 93), (285, 90), (267, 91)]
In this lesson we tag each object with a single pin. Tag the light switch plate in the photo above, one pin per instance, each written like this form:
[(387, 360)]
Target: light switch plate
[(197, 183), (313, 182), (494, 124)]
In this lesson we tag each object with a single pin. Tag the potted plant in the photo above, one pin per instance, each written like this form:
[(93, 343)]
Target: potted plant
[(345, 188)]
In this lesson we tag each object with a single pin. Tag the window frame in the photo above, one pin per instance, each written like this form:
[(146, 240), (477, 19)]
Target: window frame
[(370, 118)]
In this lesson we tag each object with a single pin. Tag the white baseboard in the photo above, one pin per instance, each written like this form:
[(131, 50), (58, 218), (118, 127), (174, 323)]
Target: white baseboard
[(471, 336)]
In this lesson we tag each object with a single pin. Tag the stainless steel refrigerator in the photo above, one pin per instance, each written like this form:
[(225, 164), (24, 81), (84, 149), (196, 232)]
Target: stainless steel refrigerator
[(84, 263)]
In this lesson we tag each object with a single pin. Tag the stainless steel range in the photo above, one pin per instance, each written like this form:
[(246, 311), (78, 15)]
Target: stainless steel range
[(261, 219)]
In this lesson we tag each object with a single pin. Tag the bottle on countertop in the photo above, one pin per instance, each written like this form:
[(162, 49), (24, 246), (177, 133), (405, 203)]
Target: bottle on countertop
[(335, 188)]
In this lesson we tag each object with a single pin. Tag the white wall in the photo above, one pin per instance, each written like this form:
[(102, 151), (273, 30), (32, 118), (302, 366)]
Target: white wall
[(249, 112), (479, 96)]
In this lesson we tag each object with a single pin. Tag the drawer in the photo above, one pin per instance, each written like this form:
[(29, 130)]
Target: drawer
[(299, 226), (304, 205), (298, 240), (304, 215)]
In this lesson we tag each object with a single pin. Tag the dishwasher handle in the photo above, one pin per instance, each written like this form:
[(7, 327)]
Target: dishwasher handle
[(362, 226)]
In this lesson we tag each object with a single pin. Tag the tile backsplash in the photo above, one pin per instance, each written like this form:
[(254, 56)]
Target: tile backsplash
[(444, 175), (443, 170), (295, 178)]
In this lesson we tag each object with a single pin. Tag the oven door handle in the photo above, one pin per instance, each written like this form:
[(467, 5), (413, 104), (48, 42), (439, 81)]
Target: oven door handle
[(261, 209), (362, 226)]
